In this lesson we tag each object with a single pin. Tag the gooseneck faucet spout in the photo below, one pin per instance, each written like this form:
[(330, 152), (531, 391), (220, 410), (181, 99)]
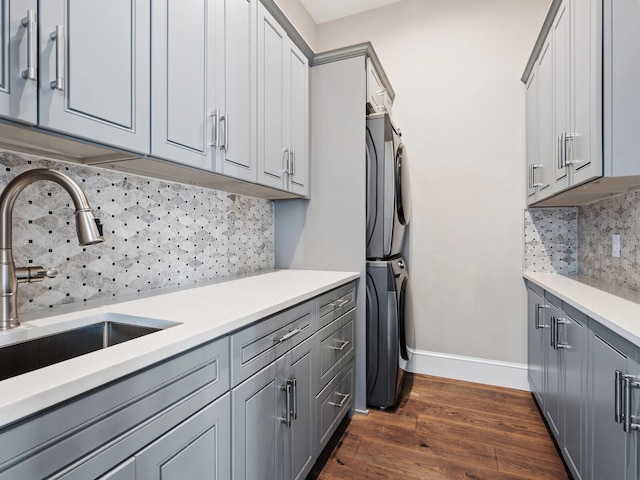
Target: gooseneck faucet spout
[(88, 228)]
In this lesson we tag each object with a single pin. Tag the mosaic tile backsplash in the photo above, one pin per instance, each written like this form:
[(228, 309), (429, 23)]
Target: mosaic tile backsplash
[(597, 222), (551, 240), (157, 234)]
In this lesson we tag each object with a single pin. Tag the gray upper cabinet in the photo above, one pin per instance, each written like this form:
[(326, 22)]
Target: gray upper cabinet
[(94, 75), (283, 98), (235, 114), (560, 46), (183, 81), (612, 451), (19, 60)]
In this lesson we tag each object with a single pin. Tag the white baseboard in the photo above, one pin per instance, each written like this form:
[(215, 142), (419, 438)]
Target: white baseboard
[(471, 369)]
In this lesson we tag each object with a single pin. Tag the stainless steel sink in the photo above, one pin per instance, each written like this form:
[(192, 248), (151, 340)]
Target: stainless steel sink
[(35, 353)]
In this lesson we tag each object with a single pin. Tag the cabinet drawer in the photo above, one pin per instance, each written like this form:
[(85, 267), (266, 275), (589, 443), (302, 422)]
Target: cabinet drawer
[(333, 403), (133, 410), (335, 303), (257, 346), (335, 346)]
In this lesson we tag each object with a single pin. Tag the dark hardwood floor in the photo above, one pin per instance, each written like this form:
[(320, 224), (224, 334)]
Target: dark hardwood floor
[(445, 429)]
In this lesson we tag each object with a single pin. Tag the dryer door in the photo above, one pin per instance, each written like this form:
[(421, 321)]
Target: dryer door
[(373, 313), (372, 189)]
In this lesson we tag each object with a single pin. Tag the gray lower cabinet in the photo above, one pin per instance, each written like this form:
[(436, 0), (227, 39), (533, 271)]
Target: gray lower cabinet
[(612, 451), (89, 436), (590, 398), (197, 449), (273, 419), (536, 338)]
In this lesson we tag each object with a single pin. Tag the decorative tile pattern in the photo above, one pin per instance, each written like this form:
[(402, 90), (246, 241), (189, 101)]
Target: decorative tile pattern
[(551, 240), (597, 222), (157, 234)]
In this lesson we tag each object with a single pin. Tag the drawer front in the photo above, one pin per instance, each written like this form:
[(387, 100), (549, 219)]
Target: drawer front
[(335, 346), (334, 402), (335, 303), (255, 347), (128, 409)]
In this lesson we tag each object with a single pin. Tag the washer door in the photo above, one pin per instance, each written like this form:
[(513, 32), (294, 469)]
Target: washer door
[(402, 200), (372, 187), (373, 312), (401, 319)]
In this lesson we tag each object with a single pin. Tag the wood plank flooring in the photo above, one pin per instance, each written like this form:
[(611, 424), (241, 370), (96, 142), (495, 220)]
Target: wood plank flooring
[(445, 429)]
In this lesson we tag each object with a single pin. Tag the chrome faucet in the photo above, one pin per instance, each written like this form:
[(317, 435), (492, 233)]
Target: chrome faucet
[(88, 228)]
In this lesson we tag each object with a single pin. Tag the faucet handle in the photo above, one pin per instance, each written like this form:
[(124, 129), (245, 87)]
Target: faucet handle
[(34, 274)]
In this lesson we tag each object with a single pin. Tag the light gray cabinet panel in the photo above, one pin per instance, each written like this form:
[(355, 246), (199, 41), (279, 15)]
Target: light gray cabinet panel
[(258, 413), (553, 367), (19, 37), (561, 49), (94, 75), (333, 403), (299, 444), (612, 453), (236, 32), (283, 109), (124, 471), (183, 81), (335, 303), (197, 449), (297, 106), (335, 347), (573, 342), (257, 346), (272, 150), (536, 347)]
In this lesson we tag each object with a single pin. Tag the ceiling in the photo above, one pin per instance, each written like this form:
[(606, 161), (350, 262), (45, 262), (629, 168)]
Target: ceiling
[(327, 10)]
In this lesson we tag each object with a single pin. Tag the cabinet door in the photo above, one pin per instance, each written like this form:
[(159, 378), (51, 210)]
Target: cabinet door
[(533, 137), (258, 413), (272, 150), (547, 154), (183, 81), (299, 447), (124, 471), (585, 147), (237, 83), (197, 449), (297, 118), (535, 339), (561, 91), (19, 95), (94, 74), (612, 453), (574, 342), (554, 390)]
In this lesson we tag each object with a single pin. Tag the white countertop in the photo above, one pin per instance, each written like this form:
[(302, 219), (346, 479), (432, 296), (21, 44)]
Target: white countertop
[(205, 313), (620, 315)]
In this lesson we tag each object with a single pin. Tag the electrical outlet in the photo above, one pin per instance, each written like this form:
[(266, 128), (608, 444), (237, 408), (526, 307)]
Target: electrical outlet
[(615, 245)]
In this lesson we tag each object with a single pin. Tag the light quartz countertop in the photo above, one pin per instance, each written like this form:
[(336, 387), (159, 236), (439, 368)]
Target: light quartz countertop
[(204, 313), (615, 308)]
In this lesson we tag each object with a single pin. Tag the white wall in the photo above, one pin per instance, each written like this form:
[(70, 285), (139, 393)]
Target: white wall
[(455, 66)]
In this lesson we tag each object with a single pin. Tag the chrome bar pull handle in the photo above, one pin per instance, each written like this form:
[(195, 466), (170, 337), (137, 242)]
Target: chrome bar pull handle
[(287, 419), (529, 183), (215, 115), (58, 37), (287, 336), (537, 319), (559, 151), (553, 332), (286, 159), (343, 345), (294, 386), (617, 392), (628, 382), (345, 397), (31, 24), (293, 162)]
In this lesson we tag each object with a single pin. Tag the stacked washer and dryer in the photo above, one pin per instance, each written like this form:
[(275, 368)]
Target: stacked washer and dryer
[(387, 217)]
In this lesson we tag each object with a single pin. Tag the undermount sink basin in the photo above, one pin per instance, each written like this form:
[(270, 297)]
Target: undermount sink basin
[(104, 331)]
